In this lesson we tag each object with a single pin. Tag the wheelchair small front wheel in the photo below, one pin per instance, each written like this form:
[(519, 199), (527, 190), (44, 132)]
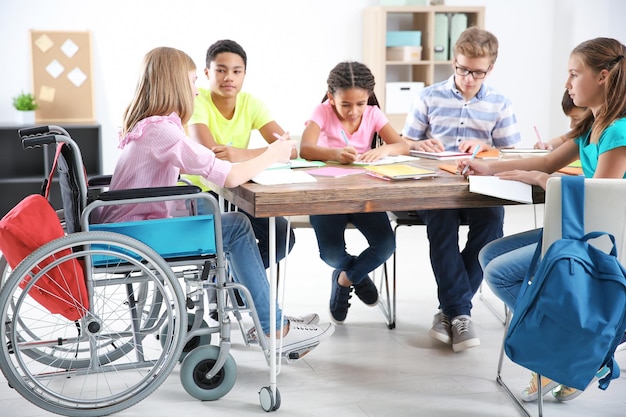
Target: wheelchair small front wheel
[(194, 374), (267, 400)]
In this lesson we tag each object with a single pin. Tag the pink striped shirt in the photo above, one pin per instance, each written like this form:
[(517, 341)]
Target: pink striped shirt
[(153, 155)]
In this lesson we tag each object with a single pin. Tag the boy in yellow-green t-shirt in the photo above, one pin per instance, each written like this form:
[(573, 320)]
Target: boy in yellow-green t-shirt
[(223, 120)]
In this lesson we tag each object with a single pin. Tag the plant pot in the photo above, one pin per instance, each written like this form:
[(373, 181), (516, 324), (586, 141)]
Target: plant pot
[(26, 117)]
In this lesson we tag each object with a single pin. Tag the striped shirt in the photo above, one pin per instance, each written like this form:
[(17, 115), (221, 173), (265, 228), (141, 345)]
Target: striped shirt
[(441, 112), (153, 154)]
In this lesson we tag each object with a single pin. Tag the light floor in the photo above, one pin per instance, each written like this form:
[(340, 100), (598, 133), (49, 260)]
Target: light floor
[(365, 369)]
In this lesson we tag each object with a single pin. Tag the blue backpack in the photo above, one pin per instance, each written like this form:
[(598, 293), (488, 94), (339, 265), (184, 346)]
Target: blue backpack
[(570, 316)]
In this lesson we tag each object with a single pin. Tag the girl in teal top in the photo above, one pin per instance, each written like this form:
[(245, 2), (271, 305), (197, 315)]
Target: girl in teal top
[(597, 80)]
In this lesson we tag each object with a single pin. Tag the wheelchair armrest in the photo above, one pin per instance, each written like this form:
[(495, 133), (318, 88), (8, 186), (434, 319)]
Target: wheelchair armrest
[(99, 181), (148, 192)]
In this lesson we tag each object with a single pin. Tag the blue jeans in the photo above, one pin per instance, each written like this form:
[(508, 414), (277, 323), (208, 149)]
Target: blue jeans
[(245, 265), (505, 263), (458, 273), (261, 229), (330, 233)]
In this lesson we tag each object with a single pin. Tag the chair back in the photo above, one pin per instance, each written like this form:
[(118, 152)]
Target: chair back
[(605, 211)]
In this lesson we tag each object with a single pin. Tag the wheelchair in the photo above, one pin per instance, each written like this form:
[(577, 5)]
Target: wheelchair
[(136, 321)]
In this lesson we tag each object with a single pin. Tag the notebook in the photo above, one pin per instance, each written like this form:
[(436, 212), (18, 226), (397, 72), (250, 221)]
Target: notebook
[(505, 189), (335, 172), (400, 172), (441, 155)]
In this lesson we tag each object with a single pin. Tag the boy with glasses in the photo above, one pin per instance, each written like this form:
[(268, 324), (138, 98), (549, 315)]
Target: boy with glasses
[(460, 114)]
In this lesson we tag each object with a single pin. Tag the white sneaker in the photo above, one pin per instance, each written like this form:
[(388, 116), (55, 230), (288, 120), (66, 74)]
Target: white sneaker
[(311, 318), (302, 336)]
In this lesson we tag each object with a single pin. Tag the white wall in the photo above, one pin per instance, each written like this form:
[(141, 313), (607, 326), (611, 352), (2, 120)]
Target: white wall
[(291, 46)]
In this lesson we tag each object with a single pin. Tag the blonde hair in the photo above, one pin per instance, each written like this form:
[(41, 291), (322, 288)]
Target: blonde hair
[(604, 54), (477, 43), (163, 87)]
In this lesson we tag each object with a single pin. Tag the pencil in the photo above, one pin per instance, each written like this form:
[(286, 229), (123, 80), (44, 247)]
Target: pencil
[(538, 137)]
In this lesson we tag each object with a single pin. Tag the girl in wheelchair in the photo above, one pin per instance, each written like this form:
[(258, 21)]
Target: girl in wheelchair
[(156, 149)]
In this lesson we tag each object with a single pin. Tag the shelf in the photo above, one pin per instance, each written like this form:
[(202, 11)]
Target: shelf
[(380, 19)]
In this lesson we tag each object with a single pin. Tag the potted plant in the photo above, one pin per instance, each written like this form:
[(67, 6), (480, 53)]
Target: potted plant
[(25, 103)]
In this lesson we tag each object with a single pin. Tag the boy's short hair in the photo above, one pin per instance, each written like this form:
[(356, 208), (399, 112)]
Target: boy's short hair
[(477, 43), (225, 45)]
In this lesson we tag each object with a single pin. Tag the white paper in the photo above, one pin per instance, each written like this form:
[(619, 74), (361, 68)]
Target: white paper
[(55, 68), (388, 160), (505, 189), (77, 77), (282, 176), (69, 48)]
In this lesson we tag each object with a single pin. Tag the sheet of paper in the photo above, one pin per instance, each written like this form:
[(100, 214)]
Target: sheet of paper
[(441, 155), (505, 189), (282, 176), (388, 160), (336, 172)]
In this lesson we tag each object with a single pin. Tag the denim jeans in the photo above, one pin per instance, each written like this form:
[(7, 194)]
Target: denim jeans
[(245, 265), (330, 233), (458, 273), (505, 263), (261, 227)]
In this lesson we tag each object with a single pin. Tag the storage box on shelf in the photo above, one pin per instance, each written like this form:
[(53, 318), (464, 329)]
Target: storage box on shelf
[(22, 171), (402, 64)]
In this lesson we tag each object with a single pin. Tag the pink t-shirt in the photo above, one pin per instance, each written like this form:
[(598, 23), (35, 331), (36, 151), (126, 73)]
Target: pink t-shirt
[(372, 121), (153, 155)]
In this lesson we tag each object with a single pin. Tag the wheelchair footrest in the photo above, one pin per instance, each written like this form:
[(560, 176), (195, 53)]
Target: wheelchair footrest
[(294, 355)]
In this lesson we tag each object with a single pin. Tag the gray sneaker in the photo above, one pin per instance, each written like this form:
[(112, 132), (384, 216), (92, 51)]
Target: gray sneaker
[(441, 328), (463, 334)]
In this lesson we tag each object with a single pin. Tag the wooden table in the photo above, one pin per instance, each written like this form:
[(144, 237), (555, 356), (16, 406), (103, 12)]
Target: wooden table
[(359, 193), (362, 193)]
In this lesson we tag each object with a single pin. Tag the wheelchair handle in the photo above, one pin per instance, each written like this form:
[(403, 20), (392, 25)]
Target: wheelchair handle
[(36, 141), (37, 130)]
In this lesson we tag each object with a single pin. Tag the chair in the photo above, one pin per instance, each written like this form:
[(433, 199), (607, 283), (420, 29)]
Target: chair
[(135, 325), (605, 210)]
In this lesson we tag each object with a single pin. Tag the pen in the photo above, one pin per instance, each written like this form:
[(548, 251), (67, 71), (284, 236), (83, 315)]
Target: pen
[(538, 137), (230, 143), (471, 159), (345, 138)]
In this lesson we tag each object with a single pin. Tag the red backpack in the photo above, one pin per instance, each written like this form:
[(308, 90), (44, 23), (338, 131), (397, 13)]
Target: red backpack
[(29, 225)]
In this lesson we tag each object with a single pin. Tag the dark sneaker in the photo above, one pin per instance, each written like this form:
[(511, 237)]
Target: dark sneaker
[(339, 298), (463, 334), (367, 292), (441, 328)]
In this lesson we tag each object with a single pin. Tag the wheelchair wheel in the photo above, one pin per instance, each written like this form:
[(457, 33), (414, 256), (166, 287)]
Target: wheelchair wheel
[(104, 361), (194, 374), (5, 270)]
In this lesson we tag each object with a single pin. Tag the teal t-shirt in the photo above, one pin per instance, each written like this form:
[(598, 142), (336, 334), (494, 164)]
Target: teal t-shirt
[(613, 137)]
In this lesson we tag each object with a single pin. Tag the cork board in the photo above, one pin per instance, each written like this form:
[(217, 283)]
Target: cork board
[(62, 76)]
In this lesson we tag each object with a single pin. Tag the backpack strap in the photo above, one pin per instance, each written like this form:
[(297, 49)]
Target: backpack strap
[(572, 206)]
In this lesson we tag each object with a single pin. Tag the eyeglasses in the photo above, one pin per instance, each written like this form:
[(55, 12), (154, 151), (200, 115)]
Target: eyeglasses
[(478, 75)]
